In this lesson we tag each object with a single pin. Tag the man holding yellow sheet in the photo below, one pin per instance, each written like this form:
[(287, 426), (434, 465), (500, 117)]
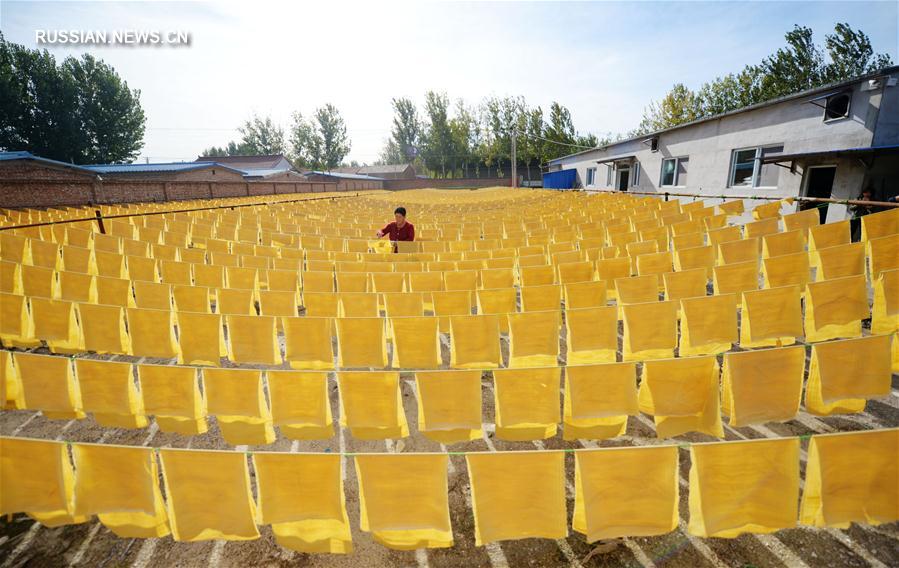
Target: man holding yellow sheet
[(399, 230)]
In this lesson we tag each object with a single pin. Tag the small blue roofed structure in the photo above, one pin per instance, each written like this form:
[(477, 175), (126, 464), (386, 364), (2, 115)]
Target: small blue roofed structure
[(22, 155), (562, 179)]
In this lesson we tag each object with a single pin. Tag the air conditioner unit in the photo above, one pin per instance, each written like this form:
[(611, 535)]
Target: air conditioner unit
[(874, 84), (871, 85)]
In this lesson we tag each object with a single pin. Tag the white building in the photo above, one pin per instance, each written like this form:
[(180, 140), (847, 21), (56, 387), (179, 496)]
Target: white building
[(826, 142)]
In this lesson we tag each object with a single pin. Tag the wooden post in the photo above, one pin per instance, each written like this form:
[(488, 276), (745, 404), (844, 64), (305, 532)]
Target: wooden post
[(99, 217)]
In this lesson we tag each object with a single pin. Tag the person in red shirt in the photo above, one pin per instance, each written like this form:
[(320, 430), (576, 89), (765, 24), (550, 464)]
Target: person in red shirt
[(399, 230)]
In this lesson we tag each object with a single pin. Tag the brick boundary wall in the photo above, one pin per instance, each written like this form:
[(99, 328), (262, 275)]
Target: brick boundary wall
[(52, 193), (457, 183), (30, 185)]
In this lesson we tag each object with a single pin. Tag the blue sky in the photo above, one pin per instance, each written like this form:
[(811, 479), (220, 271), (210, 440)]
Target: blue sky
[(604, 60)]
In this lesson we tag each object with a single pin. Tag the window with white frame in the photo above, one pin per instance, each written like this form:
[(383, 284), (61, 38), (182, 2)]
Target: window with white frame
[(608, 174), (747, 170), (591, 177), (682, 171), (635, 177), (674, 172)]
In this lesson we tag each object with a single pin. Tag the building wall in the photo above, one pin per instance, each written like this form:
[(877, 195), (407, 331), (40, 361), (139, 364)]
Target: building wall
[(215, 174), (344, 184), (285, 176), (796, 124), (30, 184), (359, 185), (25, 182), (407, 173), (886, 132), (458, 183)]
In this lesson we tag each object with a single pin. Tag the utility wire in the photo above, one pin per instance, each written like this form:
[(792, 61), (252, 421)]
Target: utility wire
[(560, 143)]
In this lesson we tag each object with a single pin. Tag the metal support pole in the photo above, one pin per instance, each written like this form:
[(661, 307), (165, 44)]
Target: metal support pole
[(514, 159), (99, 217)]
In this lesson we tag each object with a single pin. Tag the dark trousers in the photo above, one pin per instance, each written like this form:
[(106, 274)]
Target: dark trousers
[(855, 227)]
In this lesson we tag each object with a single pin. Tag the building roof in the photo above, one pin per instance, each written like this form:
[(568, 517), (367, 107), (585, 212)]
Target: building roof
[(383, 169), (22, 155), (851, 152), (341, 175), (252, 174), (139, 168), (794, 96), (617, 159), (170, 167), (346, 169), (373, 170), (263, 162)]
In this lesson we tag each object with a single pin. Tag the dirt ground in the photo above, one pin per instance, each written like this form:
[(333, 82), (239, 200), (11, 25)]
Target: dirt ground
[(26, 543)]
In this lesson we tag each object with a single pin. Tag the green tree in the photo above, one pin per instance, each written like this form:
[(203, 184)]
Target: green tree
[(320, 142), (851, 54), (80, 111), (405, 133), (730, 92), (796, 67), (232, 149), (503, 117), (534, 134), (679, 106), (214, 152), (560, 133), (587, 140), (331, 132), (261, 136), (305, 143), (463, 135), (109, 112), (438, 140)]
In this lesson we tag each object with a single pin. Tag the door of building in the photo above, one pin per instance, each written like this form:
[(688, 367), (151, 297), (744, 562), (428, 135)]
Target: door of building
[(623, 175), (819, 183)]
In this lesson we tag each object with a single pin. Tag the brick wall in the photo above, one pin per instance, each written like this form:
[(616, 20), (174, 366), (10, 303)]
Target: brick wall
[(458, 183), (28, 184), (25, 183), (120, 192)]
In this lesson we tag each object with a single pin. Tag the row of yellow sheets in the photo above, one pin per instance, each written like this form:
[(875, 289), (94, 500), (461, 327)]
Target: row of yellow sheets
[(769, 240), (95, 258), (734, 488), (492, 290), (529, 209), (350, 216), (738, 272), (725, 246), (652, 330), (559, 208), (683, 395)]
